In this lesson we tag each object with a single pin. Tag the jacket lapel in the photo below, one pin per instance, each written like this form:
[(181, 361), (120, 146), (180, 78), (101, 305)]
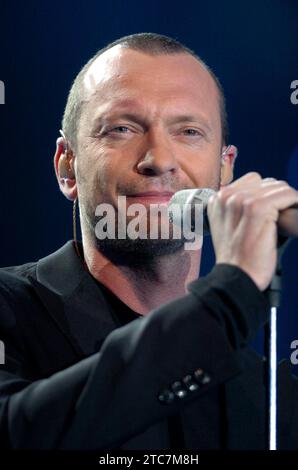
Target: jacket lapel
[(74, 300)]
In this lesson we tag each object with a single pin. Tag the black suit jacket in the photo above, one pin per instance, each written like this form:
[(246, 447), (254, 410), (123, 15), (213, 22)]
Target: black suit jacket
[(182, 376)]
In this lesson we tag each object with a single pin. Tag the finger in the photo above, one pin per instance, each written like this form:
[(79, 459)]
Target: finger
[(268, 185), (234, 208), (255, 185), (250, 178), (281, 196), (266, 208), (269, 179)]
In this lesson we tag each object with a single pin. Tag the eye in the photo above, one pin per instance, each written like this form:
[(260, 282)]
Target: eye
[(191, 132), (119, 129), (120, 132)]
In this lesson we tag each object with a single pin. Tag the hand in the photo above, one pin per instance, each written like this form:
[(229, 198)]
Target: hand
[(243, 218)]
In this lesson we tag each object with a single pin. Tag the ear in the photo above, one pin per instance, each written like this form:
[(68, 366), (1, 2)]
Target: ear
[(64, 169), (229, 154)]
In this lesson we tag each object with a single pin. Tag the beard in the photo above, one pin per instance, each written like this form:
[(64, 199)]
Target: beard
[(135, 251), (131, 251)]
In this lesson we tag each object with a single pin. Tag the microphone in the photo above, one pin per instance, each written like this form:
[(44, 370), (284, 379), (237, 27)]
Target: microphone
[(287, 222)]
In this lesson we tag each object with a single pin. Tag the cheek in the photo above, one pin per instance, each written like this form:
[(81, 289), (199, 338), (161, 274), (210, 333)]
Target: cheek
[(203, 171), (98, 174)]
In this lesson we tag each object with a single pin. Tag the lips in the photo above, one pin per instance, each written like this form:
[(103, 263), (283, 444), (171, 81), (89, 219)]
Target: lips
[(157, 197)]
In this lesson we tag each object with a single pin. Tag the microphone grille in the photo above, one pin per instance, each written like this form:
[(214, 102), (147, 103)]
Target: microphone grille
[(190, 196)]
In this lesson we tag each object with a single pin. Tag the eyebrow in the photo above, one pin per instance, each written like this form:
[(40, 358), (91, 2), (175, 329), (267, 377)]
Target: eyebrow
[(117, 113), (189, 118)]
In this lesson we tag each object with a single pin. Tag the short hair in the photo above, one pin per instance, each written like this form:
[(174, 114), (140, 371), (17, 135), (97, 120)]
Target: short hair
[(149, 43)]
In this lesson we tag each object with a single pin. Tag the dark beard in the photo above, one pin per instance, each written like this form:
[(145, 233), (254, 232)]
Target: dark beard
[(137, 252), (134, 252)]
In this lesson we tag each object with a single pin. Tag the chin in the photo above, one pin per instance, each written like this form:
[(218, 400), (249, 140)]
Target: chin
[(137, 251)]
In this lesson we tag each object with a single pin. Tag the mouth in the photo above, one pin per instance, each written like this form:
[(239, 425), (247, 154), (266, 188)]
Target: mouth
[(151, 197)]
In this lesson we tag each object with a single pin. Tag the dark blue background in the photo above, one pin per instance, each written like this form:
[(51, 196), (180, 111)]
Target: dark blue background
[(251, 45)]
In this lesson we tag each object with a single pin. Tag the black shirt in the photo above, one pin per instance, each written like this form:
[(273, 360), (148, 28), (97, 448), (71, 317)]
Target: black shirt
[(120, 311)]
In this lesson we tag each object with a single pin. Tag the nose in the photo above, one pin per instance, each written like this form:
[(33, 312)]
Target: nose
[(157, 157)]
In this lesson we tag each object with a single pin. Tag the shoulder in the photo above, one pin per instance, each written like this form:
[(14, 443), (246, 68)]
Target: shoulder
[(15, 294), (22, 270), (20, 276), (15, 279), (27, 289), (18, 300)]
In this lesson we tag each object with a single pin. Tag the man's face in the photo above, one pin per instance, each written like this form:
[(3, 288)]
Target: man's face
[(150, 126)]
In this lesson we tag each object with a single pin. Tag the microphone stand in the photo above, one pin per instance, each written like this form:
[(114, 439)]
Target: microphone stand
[(270, 338)]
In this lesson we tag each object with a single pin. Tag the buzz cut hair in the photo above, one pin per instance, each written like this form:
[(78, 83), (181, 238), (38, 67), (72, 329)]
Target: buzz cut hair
[(148, 43)]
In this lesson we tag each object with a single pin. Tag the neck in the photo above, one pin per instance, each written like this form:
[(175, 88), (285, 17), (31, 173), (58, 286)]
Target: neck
[(146, 286)]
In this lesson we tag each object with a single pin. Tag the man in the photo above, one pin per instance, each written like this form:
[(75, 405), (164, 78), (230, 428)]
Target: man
[(144, 119)]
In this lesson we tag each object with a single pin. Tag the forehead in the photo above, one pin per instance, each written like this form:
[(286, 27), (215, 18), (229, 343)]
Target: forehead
[(124, 74)]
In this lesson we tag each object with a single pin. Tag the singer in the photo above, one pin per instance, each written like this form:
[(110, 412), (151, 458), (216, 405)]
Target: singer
[(115, 343)]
